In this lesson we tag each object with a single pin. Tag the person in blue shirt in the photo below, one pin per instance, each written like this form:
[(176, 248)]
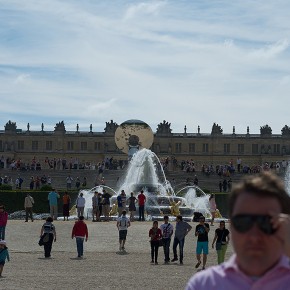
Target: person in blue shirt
[(3, 255), (53, 197)]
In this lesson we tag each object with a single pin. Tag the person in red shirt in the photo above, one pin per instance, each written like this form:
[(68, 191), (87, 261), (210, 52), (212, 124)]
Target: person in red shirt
[(155, 237), (80, 232), (141, 201), (3, 221)]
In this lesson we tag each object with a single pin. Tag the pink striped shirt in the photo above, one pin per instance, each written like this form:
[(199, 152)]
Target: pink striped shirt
[(227, 276)]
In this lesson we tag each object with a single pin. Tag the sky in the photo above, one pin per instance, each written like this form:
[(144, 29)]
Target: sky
[(188, 62)]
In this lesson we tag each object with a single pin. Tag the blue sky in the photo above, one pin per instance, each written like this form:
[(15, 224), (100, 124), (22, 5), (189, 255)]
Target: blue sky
[(187, 62)]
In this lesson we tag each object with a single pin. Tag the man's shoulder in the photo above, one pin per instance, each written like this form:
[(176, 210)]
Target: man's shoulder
[(207, 279)]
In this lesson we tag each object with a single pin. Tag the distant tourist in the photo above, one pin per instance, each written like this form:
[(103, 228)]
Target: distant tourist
[(132, 206), (53, 197), (69, 181), (65, 205), (141, 202), (31, 183), (167, 232), (84, 183), (80, 204), (212, 207), (28, 204), (96, 209), (78, 183), (3, 221), (221, 240), (80, 232), (122, 224), (182, 228), (106, 204), (155, 238), (100, 201), (49, 229), (201, 232), (4, 254), (121, 199)]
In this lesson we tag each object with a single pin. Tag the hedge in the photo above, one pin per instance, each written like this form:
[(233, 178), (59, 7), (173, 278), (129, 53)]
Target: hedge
[(14, 200)]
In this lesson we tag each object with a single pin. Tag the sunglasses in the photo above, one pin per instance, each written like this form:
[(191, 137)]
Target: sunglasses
[(244, 222)]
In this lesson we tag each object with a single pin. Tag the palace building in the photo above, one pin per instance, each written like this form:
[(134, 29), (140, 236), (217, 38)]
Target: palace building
[(214, 147)]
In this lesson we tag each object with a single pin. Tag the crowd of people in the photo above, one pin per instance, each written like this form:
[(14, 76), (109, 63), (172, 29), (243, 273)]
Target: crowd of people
[(60, 164), (259, 211)]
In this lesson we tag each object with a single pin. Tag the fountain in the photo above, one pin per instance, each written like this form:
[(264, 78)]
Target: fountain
[(146, 172)]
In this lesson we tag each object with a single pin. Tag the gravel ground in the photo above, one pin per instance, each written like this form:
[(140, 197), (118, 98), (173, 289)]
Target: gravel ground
[(102, 267)]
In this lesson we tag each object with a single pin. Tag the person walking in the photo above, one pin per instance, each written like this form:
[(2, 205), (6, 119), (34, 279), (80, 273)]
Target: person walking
[(201, 232), (122, 224), (80, 204), (167, 232), (182, 228), (4, 254), (53, 197), (141, 201), (221, 240), (80, 232), (3, 221), (65, 205), (155, 237), (48, 229), (28, 204)]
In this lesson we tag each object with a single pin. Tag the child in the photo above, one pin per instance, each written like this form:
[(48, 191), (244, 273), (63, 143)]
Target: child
[(3, 255), (3, 221), (80, 232)]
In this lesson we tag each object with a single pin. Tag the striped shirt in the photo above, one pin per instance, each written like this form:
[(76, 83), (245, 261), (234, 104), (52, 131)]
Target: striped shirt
[(166, 230)]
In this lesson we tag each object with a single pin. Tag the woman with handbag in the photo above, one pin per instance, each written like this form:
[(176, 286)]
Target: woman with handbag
[(48, 235), (221, 238), (155, 240)]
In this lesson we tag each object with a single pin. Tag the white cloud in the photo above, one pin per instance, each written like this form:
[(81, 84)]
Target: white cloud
[(22, 79), (271, 50), (143, 9), (181, 61)]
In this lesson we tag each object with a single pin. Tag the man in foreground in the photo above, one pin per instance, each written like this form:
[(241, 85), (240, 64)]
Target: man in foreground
[(259, 209)]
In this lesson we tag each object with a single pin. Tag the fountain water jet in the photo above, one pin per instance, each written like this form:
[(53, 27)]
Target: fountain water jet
[(146, 172)]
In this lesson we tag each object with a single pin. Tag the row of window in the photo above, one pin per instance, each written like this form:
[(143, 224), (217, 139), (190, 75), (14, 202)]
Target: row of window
[(83, 146), (275, 149), (49, 145)]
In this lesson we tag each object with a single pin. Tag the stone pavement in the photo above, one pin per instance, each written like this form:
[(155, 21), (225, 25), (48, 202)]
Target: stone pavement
[(103, 267)]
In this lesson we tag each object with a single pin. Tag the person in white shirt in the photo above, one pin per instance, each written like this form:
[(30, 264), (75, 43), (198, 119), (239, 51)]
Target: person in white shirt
[(28, 204), (122, 224), (80, 205)]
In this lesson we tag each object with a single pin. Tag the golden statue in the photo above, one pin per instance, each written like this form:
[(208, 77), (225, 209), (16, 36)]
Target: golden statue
[(174, 208), (217, 214), (114, 209)]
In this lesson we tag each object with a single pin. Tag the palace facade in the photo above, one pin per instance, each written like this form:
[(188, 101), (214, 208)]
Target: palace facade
[(203, 148)]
